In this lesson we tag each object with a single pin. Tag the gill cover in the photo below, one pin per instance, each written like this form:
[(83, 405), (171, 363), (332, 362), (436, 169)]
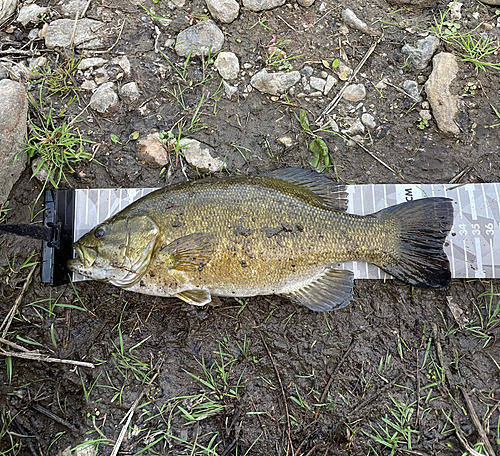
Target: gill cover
[(118, 251)]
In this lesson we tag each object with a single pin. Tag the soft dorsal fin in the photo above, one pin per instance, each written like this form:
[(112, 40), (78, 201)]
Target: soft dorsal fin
[(195, 297), (313, 187), (191, 252), (331, 290)]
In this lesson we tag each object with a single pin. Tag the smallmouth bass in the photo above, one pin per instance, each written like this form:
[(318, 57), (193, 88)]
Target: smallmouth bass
[(281, 233)]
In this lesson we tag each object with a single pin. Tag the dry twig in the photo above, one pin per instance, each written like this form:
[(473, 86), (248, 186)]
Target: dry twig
[(371, 154), (335, 101), (128, 416), (477, 423), (333, 375), (8, 319)]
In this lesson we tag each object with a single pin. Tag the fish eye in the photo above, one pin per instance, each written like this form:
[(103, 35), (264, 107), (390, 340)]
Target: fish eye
[(99, 233)]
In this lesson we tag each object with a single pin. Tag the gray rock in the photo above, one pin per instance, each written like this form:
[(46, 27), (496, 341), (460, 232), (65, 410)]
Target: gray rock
[(356, 128), (225, 11), (152, 150), (330, 82), (305, 3), (104, 98), (71, 7), (7, 9), (229, 90), (492, 2), (88, 84), (411, 88), (130, 91), (351, 19), (317, 83), (307, 71), (286, 141), (4, 71), (20, 71), (40, 172), (425, 114), (354, 93), (13, 126), (368, 120), (274, 83), (199, 39), (443, 103), (59, 34), (124, 63), (93, 62), (227, 65), (423, 52), (261, 5), (200, 156), (33, 34), (30, 13)]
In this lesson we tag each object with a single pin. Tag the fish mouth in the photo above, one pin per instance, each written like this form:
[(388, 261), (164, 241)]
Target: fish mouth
[(86, 255)]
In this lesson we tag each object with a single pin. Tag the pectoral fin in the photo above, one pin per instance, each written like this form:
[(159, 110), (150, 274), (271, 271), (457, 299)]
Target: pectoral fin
[(190, 252), (195, 297), (331, 290)]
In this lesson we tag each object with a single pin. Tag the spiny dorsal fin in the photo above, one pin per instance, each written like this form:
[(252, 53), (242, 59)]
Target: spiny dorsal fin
[(195, 297), (316, 188), (191, 252), (331, 290)]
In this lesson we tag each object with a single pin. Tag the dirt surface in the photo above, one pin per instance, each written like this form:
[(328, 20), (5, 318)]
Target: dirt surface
[(393, 373)]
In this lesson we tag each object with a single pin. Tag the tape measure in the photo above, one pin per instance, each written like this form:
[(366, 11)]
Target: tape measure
[(473, 246)]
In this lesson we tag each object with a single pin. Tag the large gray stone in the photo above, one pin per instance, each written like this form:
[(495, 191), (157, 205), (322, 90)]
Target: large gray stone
[(355, 93), (274, 83), (104, 97), (200, 156), (30, 13), (13, 127), (261, 5), (423, 52), (443, 102), (225, 11), (227, 65), (199, 39), (59, 34)]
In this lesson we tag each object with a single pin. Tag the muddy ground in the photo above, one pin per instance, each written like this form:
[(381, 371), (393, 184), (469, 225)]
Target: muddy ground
[(393, 373)]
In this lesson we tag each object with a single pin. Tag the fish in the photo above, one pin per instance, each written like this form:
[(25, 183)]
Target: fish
[(284, 233)]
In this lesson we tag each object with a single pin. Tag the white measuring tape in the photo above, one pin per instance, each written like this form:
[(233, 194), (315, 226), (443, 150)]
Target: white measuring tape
[(473, 246)]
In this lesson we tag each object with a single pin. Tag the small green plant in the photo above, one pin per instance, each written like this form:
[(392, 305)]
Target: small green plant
[(3, 211), (422, 124), (470, 88), (320, 159), (497, 113), (10, 447), (333, 66), (132, 137), (58, 78), (320, 155), (396, 430), (58, 145), (472, 46), (277, 57)]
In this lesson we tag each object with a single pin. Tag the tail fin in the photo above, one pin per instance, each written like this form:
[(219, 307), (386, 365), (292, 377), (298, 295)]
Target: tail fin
[(423, 227)]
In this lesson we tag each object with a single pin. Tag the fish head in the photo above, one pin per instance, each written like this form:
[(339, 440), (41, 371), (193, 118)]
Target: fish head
[(118, 251)]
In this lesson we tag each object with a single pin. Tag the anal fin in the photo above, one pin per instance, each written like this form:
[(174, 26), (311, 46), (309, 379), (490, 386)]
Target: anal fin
[(332, 290), (196, 297)]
